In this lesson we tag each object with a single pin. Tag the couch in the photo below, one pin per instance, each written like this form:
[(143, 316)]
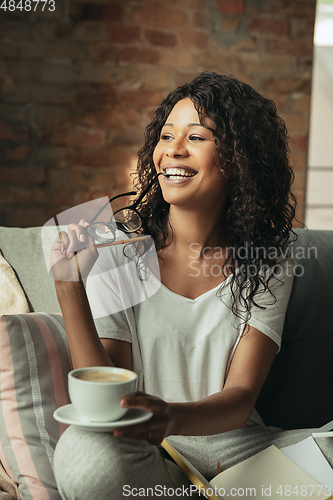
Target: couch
[(296, 393)]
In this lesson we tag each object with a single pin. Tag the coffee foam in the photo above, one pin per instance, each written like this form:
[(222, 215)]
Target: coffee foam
[(106, 377)]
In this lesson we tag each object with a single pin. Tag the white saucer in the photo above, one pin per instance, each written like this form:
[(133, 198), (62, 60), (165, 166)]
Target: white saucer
[(68, 415)]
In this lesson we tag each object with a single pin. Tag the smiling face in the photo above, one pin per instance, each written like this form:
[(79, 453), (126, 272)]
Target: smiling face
[(186, 151)]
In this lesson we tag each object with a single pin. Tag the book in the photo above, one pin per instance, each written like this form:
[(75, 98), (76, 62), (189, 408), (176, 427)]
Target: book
[(268, 474)]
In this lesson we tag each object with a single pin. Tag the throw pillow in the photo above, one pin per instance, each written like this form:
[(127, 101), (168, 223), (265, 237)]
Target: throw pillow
[(12, 298), (34, 363)]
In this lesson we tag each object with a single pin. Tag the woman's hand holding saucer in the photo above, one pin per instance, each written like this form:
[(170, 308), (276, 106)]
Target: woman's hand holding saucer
[(155, 429), (73, 253)]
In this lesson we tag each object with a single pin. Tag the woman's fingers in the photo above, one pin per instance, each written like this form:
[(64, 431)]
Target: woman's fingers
[(77, 238), (152, 431), (155, 429), (145, 402), (73, 253)]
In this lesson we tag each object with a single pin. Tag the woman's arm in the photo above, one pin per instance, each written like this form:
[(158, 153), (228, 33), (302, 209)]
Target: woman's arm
[(86, 348), (226, 410), (68, 270), (231, 407)]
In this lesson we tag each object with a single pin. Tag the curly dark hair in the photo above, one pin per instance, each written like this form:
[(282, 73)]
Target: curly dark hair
[(252, 146)]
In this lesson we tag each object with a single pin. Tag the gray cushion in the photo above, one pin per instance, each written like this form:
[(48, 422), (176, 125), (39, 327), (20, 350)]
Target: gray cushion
[(298, 390), (22, 248)]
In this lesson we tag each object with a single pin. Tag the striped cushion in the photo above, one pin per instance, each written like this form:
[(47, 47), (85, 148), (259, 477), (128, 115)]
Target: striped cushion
[(34, 363)]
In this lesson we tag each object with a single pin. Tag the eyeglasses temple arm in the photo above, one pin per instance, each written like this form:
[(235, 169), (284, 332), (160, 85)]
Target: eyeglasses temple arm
[(142, 195), (131, 193)]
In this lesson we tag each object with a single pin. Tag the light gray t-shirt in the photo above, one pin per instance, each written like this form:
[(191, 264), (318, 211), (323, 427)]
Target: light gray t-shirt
[(182, 348)]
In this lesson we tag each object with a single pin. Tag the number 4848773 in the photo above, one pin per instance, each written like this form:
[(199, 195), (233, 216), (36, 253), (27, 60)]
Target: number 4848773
[(27, 5)]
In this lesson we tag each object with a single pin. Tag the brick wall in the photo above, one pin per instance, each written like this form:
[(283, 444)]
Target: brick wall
[(78, 85)]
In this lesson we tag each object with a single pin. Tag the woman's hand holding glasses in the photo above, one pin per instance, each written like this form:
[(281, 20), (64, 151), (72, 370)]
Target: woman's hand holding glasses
[(73, 253)]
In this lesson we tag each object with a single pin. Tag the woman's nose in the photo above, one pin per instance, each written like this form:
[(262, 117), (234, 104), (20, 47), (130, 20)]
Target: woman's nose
[(177, 147)]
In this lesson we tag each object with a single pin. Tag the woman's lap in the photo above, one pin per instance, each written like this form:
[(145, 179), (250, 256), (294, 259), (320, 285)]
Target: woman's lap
[(91, 465), (96, 465), (233, 447)]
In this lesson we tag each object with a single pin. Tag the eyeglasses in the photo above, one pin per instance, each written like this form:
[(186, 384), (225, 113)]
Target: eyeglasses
[(126, 219)]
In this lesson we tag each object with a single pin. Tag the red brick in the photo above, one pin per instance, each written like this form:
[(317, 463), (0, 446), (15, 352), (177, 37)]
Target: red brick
[(99, 12), (107, 52), (300, 196), (231, 6), (79, 137), (138, 56), (113, 117), (230, 22), (177, 58), (17, 133), (300, 180), (293, 8), (302, 27), (15, 29), (302, 103), (48, 196), (33, 92), (299, 160), (220, 61), (159, 78), (42, 50), (269, 25), (52, 30), (287, 85), (299, 142), (52, 115), (112, 157), (142, 98), (278, 64), (304, 67), (22, 175), (302, 47), (90, 31), (9, 48), (194, 39), (57, 72), (189, 4), (161, 38), (280, 100), (300, 217), (200, 19), (156, 16), (296, 123), (124, 178), (20, 153), (91, 194), (184, 77), (122, 34), (28, 217), (130, 136), (14, 194), (14, 113), (247, 44)]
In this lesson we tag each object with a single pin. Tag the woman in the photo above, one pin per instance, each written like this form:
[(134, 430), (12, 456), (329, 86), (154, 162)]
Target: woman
[(203, 344)]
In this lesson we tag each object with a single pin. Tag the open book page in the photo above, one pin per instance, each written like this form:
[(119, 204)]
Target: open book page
[(204, 487), (268, 474), (307, 455)]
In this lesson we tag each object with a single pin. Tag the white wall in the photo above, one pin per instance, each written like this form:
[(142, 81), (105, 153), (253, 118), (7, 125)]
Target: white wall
[(319, 196)]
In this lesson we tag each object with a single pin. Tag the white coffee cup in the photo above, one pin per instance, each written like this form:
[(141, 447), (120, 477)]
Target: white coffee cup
[(97, 395)]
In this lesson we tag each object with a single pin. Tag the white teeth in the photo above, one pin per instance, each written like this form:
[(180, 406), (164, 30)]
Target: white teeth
[(178, 173)]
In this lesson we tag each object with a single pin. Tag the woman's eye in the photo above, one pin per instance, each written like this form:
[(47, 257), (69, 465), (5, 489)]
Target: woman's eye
[(165, 137), (197, 138)]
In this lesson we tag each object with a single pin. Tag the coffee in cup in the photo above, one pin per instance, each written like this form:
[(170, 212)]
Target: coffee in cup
[(96, 391), (99, 376)]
